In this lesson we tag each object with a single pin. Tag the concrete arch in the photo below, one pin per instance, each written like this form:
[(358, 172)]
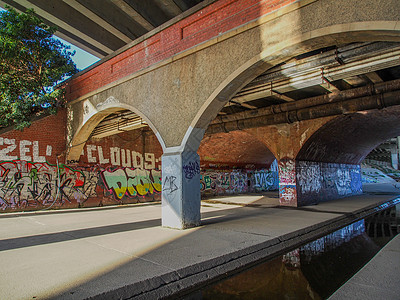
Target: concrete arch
[(235, 148), (339, 34), (93, 116), (350, 138)]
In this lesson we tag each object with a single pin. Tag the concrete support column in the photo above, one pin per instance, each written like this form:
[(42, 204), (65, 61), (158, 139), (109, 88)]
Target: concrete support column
[(181, 182), (181, 189), (287, 182)]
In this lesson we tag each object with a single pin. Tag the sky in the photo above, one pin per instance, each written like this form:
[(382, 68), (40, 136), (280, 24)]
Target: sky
[(81, 58)]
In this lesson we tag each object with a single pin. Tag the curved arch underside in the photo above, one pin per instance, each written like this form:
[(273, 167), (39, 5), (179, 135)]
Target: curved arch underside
[(349, 138), (236, 148)]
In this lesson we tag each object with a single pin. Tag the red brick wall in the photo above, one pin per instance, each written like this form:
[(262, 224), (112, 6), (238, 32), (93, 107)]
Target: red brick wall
[(236, 149), (123, 168), (49, 133), (202, 26)]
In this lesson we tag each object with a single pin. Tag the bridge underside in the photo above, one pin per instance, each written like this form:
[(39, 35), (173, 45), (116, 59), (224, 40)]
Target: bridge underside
[(314, 85), (319, 114), (105, 28), (310, 83)]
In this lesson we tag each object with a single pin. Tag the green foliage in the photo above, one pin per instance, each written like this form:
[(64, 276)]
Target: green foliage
[(32, 62)]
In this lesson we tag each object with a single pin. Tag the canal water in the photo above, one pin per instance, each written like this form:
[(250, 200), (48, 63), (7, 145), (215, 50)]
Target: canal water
[(313, 271)]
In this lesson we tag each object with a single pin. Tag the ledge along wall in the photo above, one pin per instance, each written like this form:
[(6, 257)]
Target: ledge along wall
[(119, 169)]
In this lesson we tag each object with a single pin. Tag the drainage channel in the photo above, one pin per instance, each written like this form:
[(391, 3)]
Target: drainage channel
[(314, 270)]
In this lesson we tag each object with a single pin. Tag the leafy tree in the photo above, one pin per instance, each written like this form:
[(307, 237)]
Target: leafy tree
[(32, 62)]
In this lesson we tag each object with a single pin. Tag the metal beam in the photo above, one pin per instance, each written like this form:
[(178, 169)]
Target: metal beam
[(262, 89), (374, 77), (326, 84), (330, 109), (365, 91), (66, 37), (169, 6), (60, 23), (95, 18), (133, 14)]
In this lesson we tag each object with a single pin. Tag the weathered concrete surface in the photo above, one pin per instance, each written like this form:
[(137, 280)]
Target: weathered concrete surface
[(379, 279), (121, 253)]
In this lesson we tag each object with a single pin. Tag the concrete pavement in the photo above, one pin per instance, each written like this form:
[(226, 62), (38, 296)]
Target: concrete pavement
[(124, 252), (378, 279)]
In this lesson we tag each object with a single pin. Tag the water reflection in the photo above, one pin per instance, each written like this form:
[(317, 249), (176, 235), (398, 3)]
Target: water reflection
[(315, 270)]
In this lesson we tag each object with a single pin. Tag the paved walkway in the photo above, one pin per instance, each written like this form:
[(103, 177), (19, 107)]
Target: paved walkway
[(124, 252)]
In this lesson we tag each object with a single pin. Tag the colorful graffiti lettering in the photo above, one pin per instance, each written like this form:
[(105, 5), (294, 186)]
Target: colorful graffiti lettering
[(223, 182), (132, 181), (287, 195), (287, 171), (287, 181), (266, 180), (25, 184)]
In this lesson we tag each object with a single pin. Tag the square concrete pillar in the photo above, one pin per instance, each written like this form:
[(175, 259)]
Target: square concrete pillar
[(181, 189), (287, 182)]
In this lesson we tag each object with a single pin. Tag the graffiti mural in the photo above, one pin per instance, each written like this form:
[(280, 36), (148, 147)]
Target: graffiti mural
[(265, 180), (220, 182), (26, 150), (318, 181), (25, 184), (28, 185), (191, 169), (309, 176), (287, 182), (116, 156), (237, 181), (132, 182)]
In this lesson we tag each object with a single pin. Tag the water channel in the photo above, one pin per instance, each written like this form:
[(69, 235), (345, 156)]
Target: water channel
[(313, 271)]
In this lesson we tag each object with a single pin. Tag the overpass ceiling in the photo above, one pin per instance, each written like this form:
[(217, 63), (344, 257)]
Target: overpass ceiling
[(324, 71), (333, 73), (103, 26)]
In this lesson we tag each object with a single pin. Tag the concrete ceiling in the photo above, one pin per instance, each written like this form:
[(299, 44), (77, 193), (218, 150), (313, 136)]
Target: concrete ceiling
[(103, 26)]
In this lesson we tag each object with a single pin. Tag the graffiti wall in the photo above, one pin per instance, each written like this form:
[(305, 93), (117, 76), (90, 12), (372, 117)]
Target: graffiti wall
[(119, 169), (216, 182), (131, 182), (287, 182), (318, 181), (31, 185)]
